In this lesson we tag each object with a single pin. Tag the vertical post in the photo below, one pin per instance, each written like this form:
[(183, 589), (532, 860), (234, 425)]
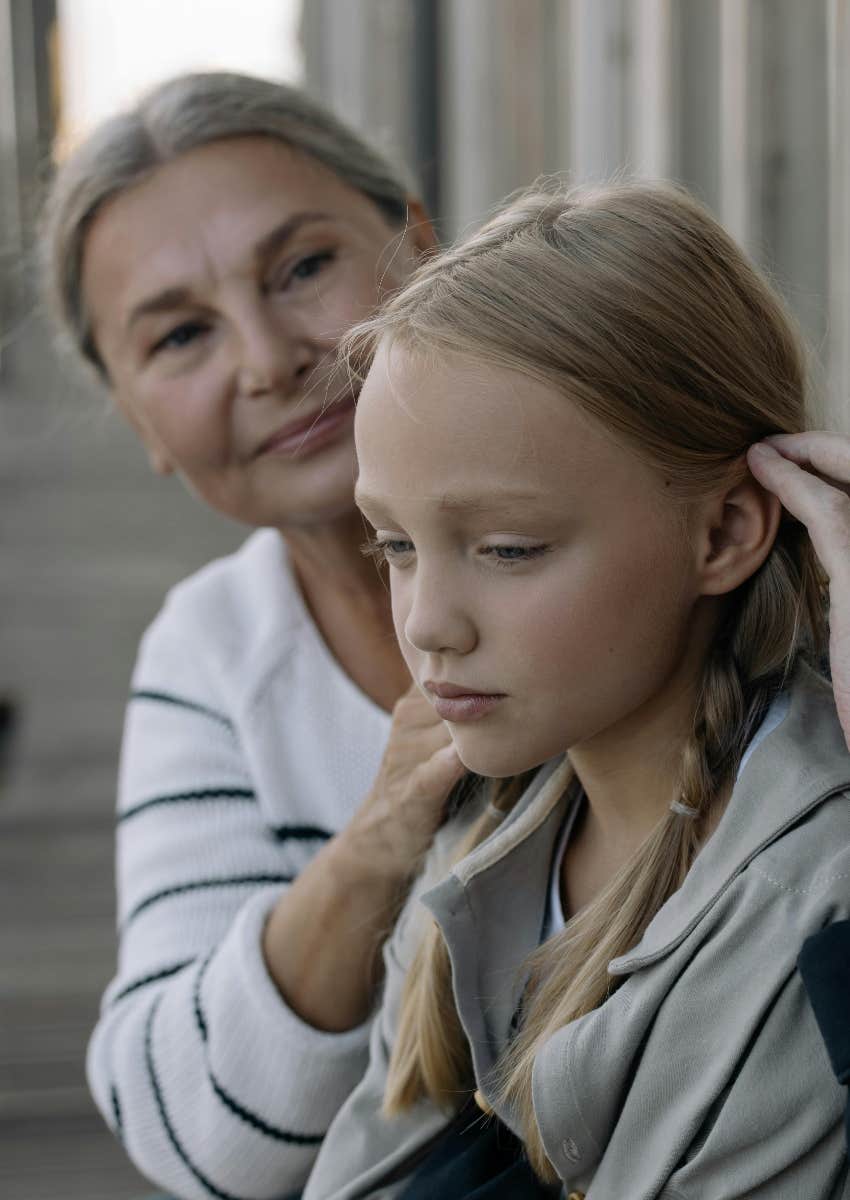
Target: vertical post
[(599, 63), (425, 100), (495, 120), (652, 100), (358, 57), (25, 135), (839, 213), (698, 98), (10, 195), (735, 130), (789, 160)]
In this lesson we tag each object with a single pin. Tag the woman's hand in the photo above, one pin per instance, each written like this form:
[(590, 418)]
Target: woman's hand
[(321, 940), (810, 473), (397, 820)]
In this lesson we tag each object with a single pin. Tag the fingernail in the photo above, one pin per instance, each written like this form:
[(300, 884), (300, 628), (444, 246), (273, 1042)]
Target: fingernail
[(763, 450)]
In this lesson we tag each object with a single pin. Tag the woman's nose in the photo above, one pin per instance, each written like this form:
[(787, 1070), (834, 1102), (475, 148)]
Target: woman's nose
[(438, 622), (272, 360)]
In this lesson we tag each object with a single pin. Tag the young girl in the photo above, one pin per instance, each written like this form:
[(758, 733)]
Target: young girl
[(590, 586)]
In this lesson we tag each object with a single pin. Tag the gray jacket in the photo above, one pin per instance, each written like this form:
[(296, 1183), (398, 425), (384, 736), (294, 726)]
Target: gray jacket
[(704, 1075)]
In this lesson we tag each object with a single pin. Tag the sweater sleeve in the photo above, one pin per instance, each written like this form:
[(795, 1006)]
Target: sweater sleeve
[(214, 1086), (365, 1152)]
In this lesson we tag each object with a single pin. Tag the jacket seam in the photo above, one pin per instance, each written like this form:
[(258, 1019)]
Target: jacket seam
[(795, 891)]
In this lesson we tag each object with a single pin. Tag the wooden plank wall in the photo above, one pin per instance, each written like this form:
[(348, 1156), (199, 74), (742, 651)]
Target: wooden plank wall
[(90, 543)]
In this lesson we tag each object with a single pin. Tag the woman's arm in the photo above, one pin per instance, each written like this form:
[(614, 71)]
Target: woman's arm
[(810, 473), (322, 939), (366, 1153), (214, 1083)]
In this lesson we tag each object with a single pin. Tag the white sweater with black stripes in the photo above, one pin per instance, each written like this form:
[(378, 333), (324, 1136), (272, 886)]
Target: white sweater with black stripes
[(245, 746)]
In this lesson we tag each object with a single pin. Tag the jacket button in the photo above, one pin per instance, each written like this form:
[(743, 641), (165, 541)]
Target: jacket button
[(571, 1150)]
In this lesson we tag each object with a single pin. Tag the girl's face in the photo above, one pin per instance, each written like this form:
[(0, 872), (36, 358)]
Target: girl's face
[(543, 590), (218, 288)]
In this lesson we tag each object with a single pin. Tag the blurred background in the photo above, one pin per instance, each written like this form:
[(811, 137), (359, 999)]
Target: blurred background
[(746, 101)]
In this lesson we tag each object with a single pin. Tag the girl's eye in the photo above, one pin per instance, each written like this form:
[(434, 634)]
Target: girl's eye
[(180, 336), (508, 555), (386, 549)]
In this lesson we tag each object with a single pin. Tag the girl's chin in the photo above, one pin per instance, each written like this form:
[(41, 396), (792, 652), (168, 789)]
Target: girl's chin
[(497, 763)]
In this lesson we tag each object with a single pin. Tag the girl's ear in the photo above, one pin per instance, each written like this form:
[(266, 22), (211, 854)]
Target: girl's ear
[(735, 535)]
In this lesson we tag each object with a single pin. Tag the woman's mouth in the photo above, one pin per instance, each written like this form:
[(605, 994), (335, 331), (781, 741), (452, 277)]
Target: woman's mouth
[(455, 703), (301, 438)]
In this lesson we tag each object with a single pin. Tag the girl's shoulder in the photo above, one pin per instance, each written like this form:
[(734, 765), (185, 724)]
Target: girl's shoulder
[(800, 777)]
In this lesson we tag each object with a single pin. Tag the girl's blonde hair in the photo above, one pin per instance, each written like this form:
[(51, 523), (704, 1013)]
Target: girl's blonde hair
[(178, 116), (632, 301)]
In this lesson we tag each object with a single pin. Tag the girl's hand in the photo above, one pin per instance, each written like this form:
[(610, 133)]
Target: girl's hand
[(810, 473)]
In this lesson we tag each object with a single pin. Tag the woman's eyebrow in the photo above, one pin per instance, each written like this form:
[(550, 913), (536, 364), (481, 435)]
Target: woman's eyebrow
[(164, 301), (177, 297), (282, 233)]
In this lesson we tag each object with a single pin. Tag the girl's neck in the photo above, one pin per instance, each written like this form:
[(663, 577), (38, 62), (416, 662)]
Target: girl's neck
[(631, 771), (630, 775)]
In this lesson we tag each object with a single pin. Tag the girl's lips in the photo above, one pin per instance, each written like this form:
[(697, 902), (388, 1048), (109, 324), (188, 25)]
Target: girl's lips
[(470, 707), (304, 437)]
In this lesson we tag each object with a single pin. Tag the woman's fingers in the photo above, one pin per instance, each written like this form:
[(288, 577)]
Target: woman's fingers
[(826, 453), (433, 780), (822, 505)]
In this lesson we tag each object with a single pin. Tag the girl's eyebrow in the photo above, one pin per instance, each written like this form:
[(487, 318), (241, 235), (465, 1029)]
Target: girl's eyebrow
[(461, 501), (479, 502)]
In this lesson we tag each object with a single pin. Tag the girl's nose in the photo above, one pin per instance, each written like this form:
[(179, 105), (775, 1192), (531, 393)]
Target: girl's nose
[(438, 622)]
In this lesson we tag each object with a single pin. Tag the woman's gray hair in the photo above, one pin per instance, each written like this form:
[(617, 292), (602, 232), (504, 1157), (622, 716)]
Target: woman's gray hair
[(176, 117)]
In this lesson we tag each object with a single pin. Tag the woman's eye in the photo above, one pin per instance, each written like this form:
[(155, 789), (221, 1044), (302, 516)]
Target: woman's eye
[(180, 336), (307, 267)]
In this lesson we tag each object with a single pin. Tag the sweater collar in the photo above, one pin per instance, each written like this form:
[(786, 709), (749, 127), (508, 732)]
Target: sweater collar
[(793, 769)]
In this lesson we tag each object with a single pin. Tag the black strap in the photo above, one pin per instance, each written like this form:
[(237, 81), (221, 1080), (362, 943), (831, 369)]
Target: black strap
[(477, 1160)]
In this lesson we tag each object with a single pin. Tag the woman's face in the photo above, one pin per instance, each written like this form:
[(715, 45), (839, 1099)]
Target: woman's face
[(218, 289), (543, 591)]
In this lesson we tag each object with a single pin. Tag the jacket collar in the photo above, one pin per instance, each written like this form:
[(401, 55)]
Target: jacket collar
[(502, 885), (490, 909)]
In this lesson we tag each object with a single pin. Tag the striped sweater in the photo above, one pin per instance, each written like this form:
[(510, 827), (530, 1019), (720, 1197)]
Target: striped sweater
[(245, 747)]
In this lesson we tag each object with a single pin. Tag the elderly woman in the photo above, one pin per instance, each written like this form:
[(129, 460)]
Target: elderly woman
[(204, 253)]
